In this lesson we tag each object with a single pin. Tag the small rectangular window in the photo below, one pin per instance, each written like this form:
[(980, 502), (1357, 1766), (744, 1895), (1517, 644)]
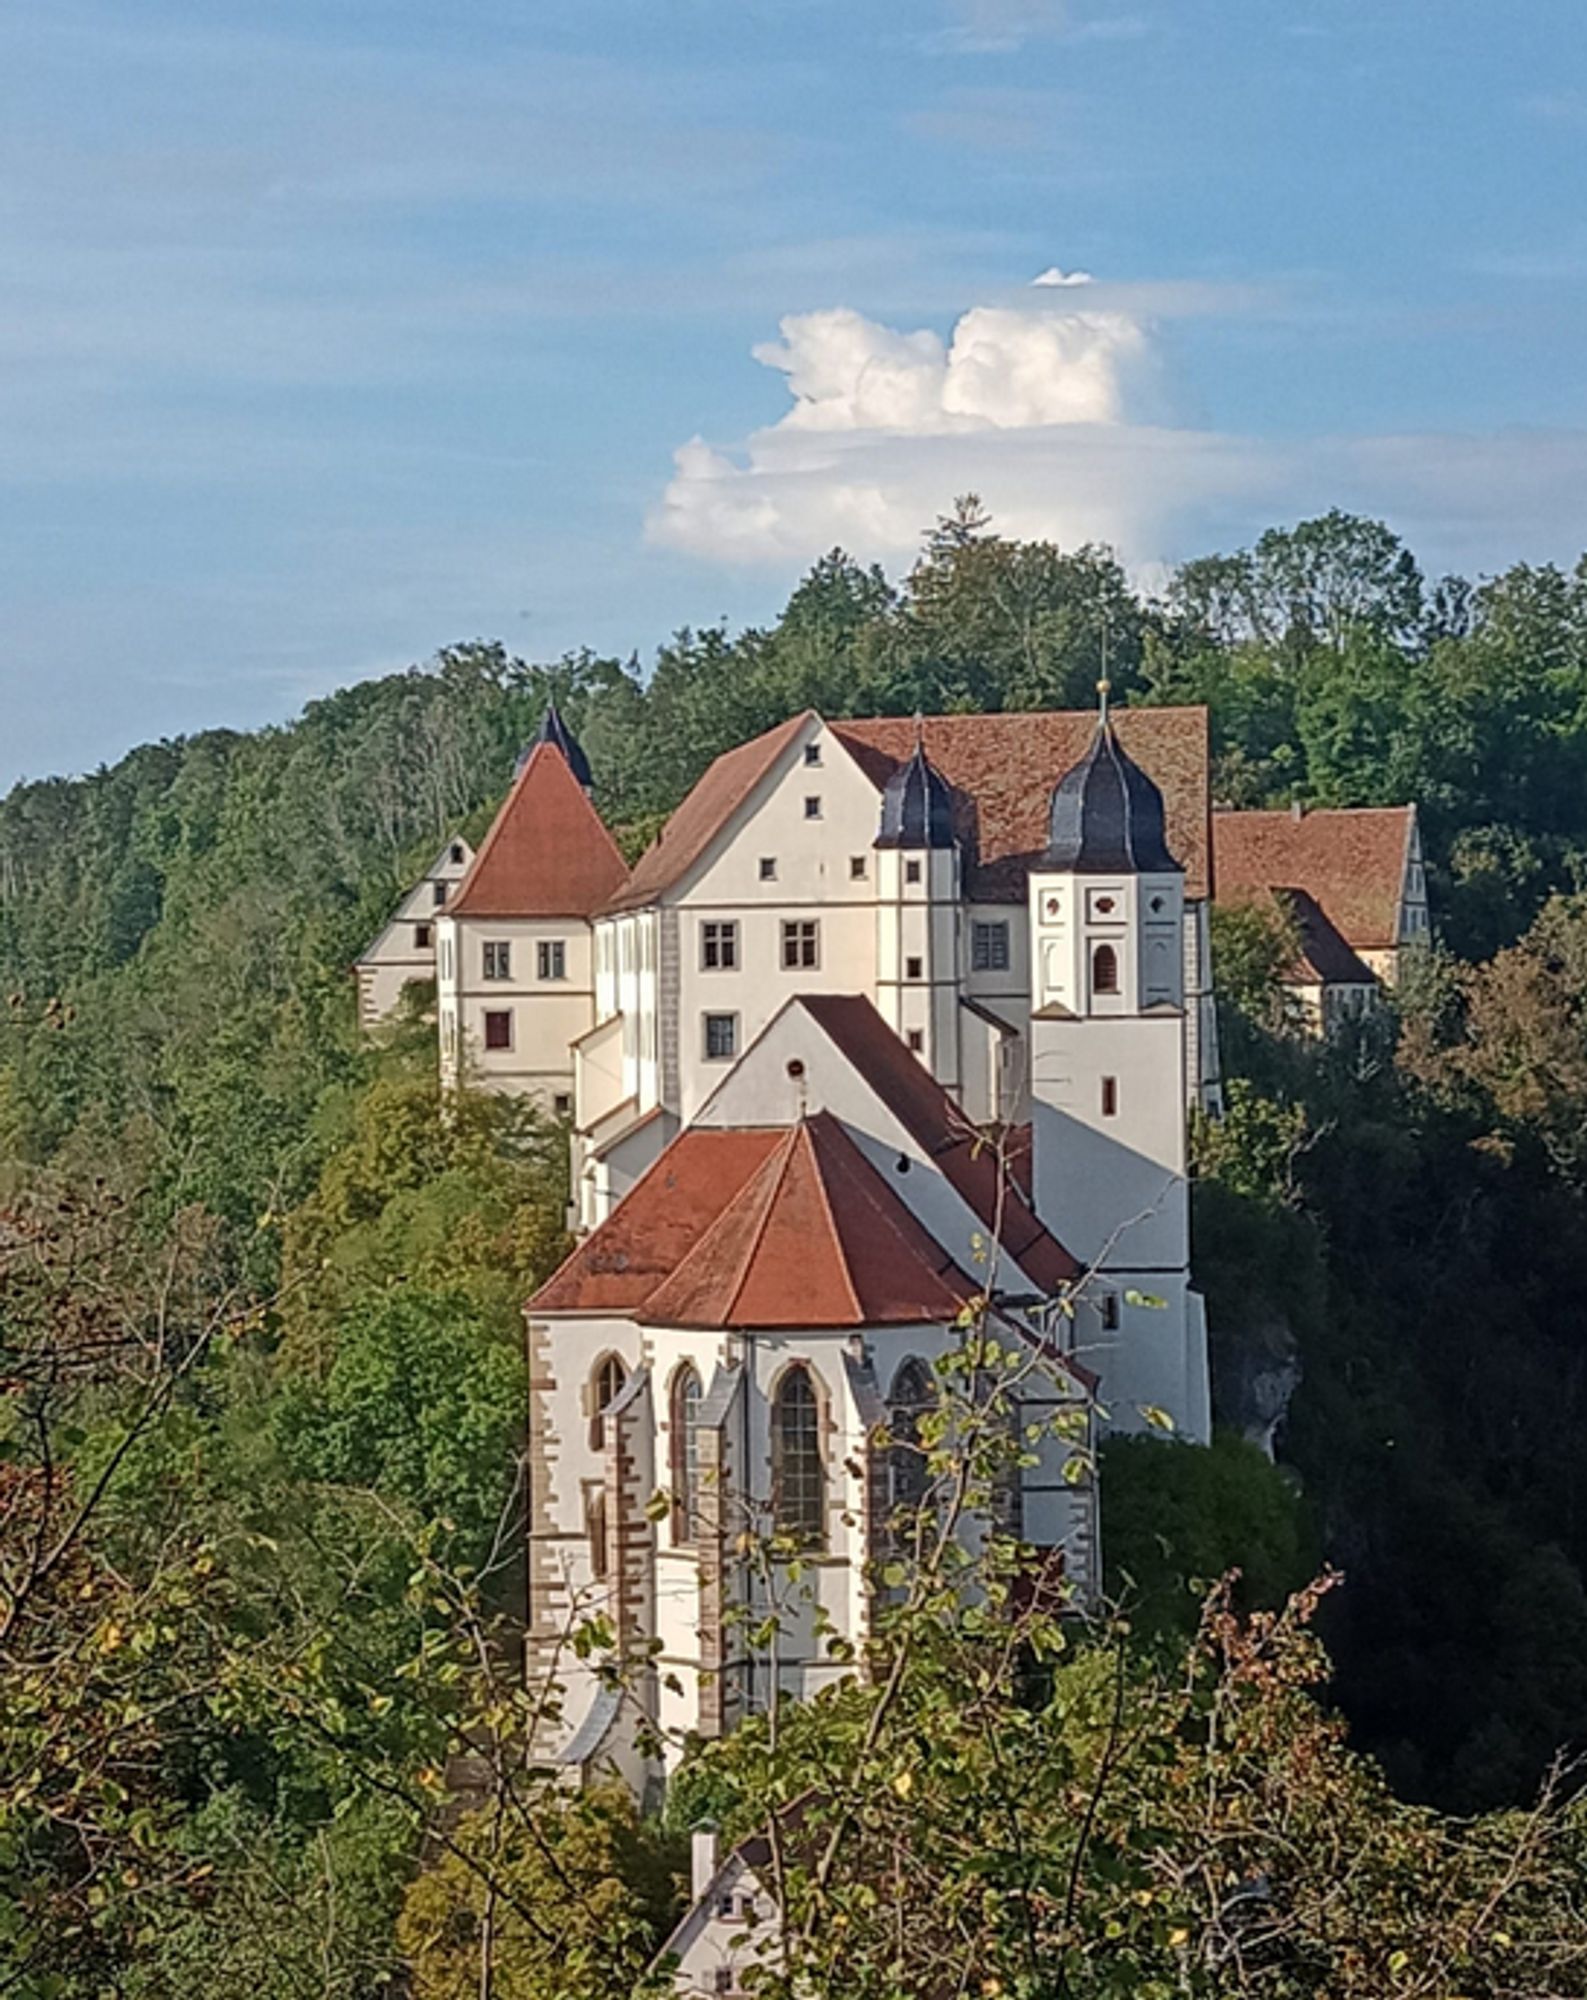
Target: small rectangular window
[(562, 1104), (801, 945), (1110, 1311), (989, 947), (768, 868), (719, 947), (721, 1037), (551, 958), (1110, 1096), (438, 893), (422, 934), (498, 1028), (456, 852), (913, 968), (916, 1040), (857, 867), (813, 807), (498, 960), (812, 754), (911, 871)]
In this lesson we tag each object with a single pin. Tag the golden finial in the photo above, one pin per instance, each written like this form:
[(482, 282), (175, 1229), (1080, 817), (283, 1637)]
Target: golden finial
[(1104, 689)]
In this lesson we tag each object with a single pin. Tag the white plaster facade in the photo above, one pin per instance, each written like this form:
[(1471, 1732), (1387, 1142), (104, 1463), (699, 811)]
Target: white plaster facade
[(793, 896), (514, 996), (404, 953)]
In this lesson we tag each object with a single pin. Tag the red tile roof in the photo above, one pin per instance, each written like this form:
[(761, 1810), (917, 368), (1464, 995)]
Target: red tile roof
[(1352, 862), (713, 801), (548, 853), (1323, 954), (774, 1227), (944, 1134), (1004, 767), (816, 1238), (659, 1220)]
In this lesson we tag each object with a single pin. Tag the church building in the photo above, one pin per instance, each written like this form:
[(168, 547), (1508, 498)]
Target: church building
[(767, 1300)]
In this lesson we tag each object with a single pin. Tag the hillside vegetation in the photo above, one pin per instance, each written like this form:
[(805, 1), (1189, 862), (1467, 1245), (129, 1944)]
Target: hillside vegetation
[(259, 1330)]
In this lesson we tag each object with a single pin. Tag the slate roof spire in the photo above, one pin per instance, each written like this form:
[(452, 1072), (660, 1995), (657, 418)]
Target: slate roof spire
[(1106, 815), (555, 731), (917, 804)]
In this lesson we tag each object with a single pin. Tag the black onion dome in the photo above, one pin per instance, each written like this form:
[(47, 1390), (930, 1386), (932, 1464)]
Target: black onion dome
[(1106, 816), (554, 730), (917, 806)]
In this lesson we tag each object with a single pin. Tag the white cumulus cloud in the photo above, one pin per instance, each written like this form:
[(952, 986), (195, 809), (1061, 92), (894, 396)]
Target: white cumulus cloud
[(1054, 415)]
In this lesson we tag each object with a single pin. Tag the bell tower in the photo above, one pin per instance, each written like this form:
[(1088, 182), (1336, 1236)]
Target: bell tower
[(1108, 1083)]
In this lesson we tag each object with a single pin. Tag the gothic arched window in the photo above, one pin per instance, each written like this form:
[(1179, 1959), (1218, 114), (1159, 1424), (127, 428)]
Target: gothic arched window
[(595, 1528), (685, 1442), (605, 1386), (798, 1477), (908, 1479), (1104, 969)]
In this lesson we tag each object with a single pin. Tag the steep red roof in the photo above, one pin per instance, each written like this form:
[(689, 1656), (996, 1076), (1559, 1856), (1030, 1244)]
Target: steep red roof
[(944, 1134), (773, 1227), (548, 853), (659, 1220), (713, 801), (1004, 767), (1352, 862), (1323, 954), (815, 1239)]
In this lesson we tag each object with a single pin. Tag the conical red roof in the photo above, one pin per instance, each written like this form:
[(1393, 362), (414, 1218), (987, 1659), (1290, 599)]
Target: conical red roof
[(806, 1235), (548, 853)]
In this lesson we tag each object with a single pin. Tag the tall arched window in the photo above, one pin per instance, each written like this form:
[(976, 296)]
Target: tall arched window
[(685, 1441), (908, 1480), (595, 1528), (798, 1479), (1104, 969), (605, 1386)]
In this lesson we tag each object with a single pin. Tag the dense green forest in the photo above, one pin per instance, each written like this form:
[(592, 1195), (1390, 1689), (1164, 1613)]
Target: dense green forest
[(259, 1330)]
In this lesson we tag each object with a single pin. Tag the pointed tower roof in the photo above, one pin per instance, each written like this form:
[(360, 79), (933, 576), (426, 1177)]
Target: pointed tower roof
[(917, 805), (548, 853), (555, 731), (1106, 815)]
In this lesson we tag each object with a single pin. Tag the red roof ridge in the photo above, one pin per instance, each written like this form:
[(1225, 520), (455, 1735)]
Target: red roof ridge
[(705, 809), (548, 852), (944, 1134), (1351, 860), (834, 1231)]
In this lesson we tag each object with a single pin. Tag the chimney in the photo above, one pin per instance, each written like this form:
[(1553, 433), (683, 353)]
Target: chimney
[(702, 1859)]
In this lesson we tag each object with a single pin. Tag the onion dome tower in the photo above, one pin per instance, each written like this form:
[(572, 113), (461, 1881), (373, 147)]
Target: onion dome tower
[(1107, 1060), (917, 913)]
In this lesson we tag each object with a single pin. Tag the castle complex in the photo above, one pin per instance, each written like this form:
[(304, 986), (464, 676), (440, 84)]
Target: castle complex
[(895, 1022)]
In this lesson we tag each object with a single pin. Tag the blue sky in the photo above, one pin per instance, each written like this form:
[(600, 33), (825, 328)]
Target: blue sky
[(333, 332)]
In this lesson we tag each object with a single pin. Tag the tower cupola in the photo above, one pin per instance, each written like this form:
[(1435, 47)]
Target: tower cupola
[(917, 806), (1106, 816), (555, 731)]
